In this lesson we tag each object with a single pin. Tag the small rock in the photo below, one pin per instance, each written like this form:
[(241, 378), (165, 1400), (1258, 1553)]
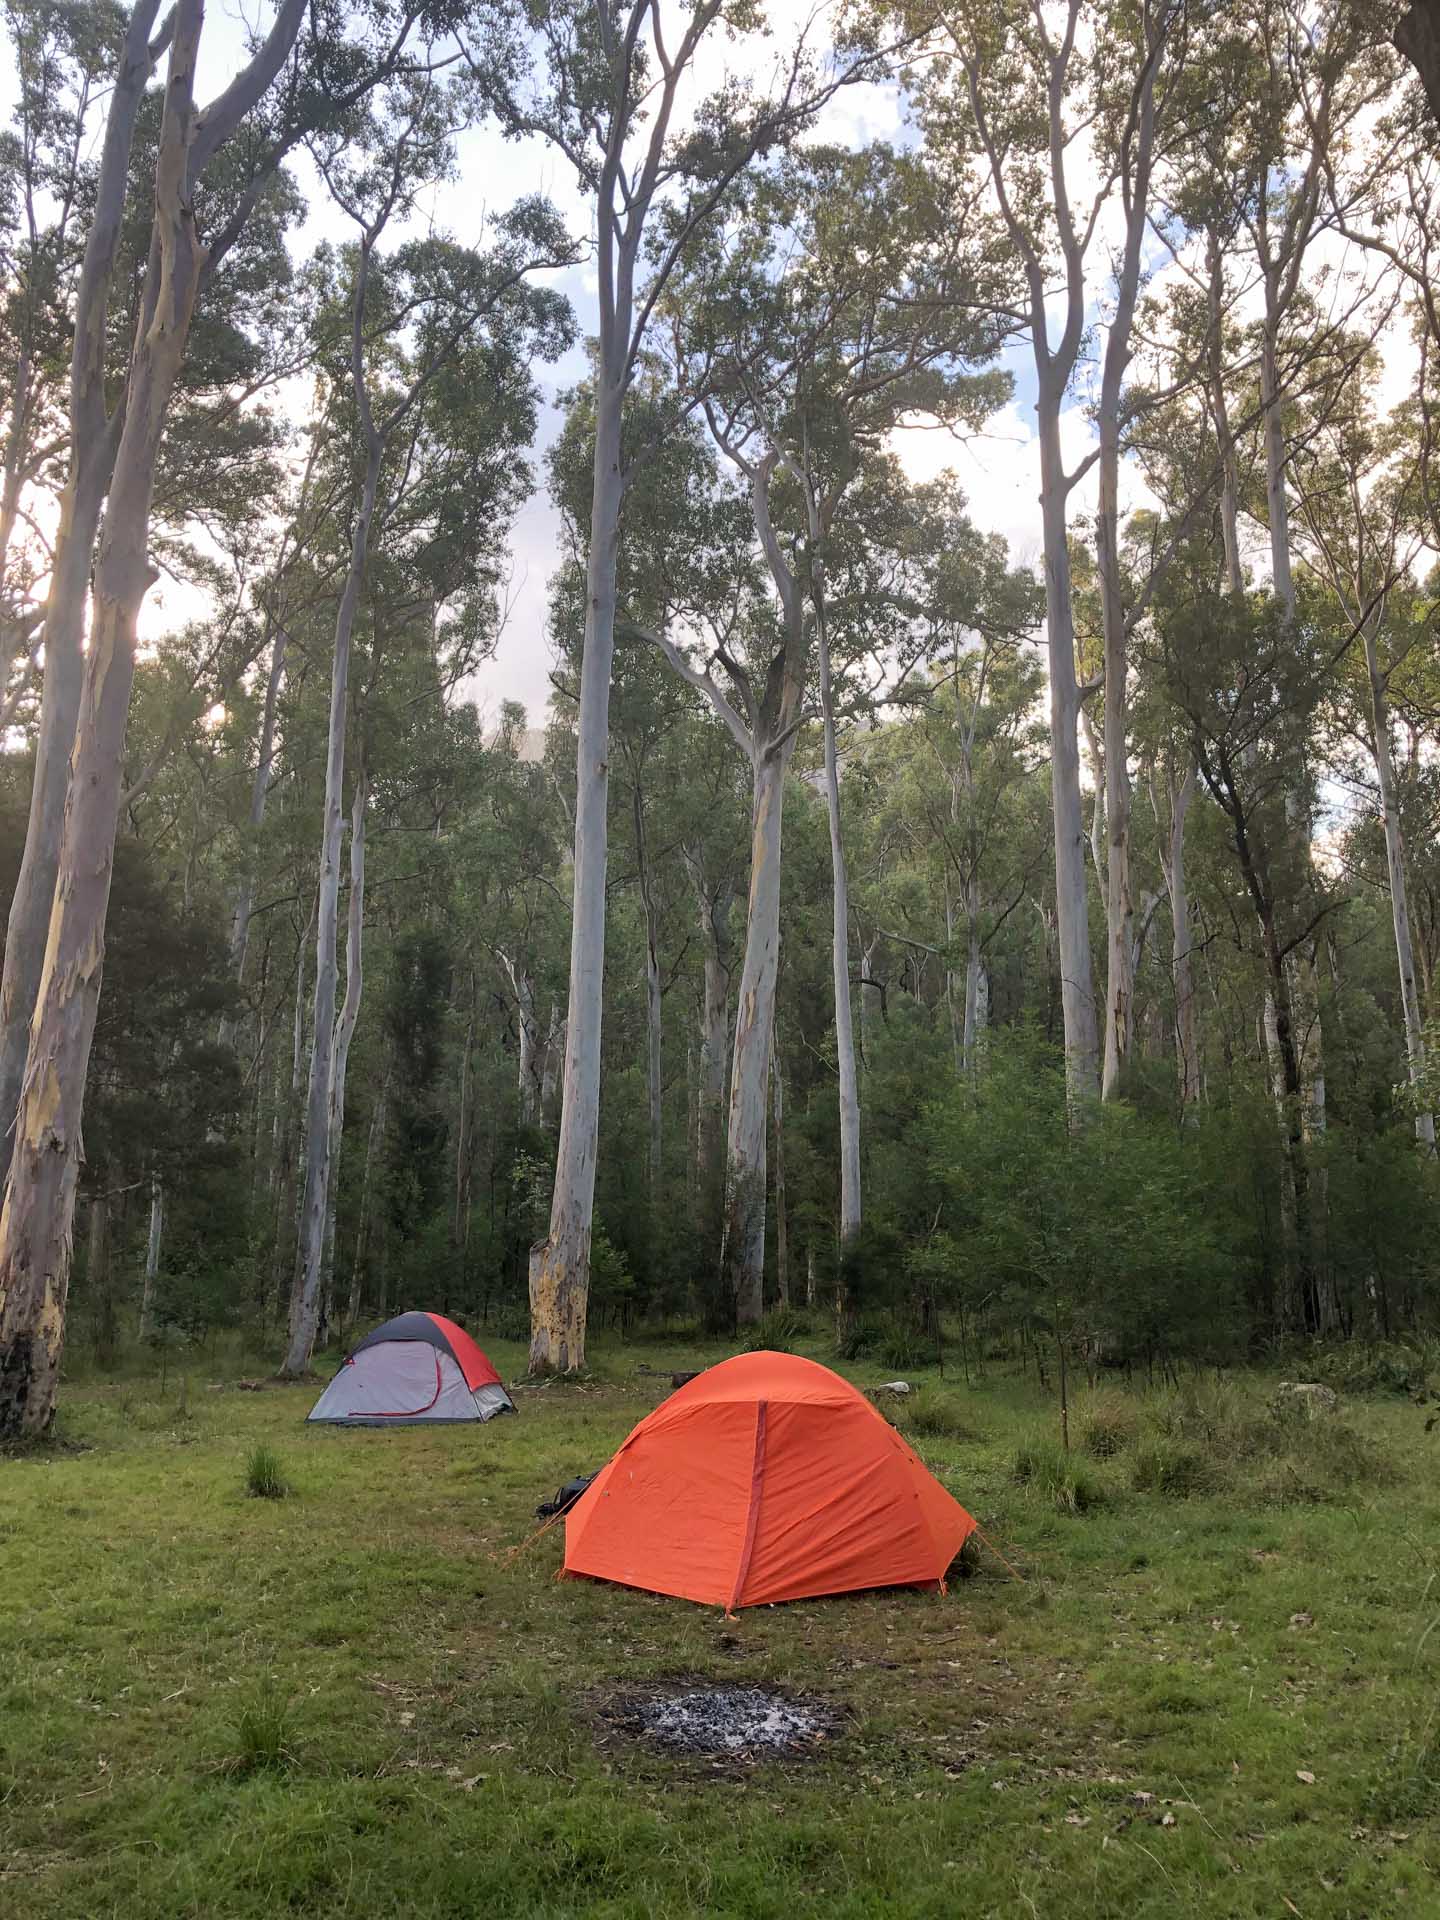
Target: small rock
[(1306, 1778)]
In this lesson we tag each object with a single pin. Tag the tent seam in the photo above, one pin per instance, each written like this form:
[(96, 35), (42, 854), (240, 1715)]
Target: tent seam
[(752, 1517)]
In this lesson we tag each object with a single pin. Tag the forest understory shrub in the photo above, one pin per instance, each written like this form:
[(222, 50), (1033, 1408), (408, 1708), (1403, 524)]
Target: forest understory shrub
[(1390, 1366)]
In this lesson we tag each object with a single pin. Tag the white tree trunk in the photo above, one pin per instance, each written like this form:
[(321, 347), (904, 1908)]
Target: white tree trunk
[(1077, 997), (1399, 889), (349, 1015), (850, 1200), (560, 1263), (530, 1086), (93, 446), (654, 1031), (152, 1256), (309, 1253), (714, 914), (1119, 903), (782, 1225), (39, 1208), (550, 1073), (259, 794), (743, 1257)]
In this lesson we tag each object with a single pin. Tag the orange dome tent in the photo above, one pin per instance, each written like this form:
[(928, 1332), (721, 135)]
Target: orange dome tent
[(766, 1478)]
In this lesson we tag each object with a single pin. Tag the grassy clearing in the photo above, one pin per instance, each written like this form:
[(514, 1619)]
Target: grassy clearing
[(1217, 1698)]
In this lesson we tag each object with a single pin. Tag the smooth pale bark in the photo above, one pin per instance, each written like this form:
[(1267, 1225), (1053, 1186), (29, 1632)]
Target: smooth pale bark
[(1172, 862), (550, 1072), (560, 1263), (870, 1000), (1077, 998), (1115, 621), (1282, 258), (35, 1227), (782, 1224), (377, 1127), (259, 795), (93, 445), (653, 1008), (349, 1015), (954, 1003), (1220, 408), (1055, 345), (776, 715), (977, 987), (744, 1250), (309, 1257), (152, 1255), (713, 911), (850, 1196), (1399, 888), (286, 1112), (530, 1086), (1097, 788)]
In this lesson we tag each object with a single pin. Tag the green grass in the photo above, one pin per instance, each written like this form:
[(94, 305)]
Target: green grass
[(264, 1475), (356, 1702)]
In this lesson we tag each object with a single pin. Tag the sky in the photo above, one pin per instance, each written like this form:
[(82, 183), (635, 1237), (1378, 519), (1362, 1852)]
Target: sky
[(998, 469)]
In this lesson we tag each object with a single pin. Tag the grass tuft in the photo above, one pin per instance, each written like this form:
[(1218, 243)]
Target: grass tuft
[(937, 1419), (778, 1331), (1107, 1424), (1169, 1467), (263, 1733), (264, 1476), (1047, 1469)]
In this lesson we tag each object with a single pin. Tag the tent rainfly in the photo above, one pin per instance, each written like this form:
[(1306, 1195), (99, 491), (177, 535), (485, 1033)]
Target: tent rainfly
[(766, 1478), (419, 1368)]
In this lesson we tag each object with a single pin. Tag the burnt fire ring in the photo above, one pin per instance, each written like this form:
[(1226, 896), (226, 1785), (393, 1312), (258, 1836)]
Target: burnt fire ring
[(719, 1722)]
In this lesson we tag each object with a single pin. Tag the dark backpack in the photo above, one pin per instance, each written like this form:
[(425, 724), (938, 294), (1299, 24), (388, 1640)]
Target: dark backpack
[(564, 1499)]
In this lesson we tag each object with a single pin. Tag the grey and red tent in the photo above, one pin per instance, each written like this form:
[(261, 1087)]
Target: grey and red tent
[(418, 1367)]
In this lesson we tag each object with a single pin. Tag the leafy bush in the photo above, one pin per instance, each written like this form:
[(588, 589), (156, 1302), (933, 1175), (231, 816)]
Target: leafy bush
[(1107, 1424), (1394, 1366), (264, 1475), (1046, 1468)]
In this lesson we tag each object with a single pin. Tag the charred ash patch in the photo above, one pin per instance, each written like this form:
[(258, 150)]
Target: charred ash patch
[(723, 1724)]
